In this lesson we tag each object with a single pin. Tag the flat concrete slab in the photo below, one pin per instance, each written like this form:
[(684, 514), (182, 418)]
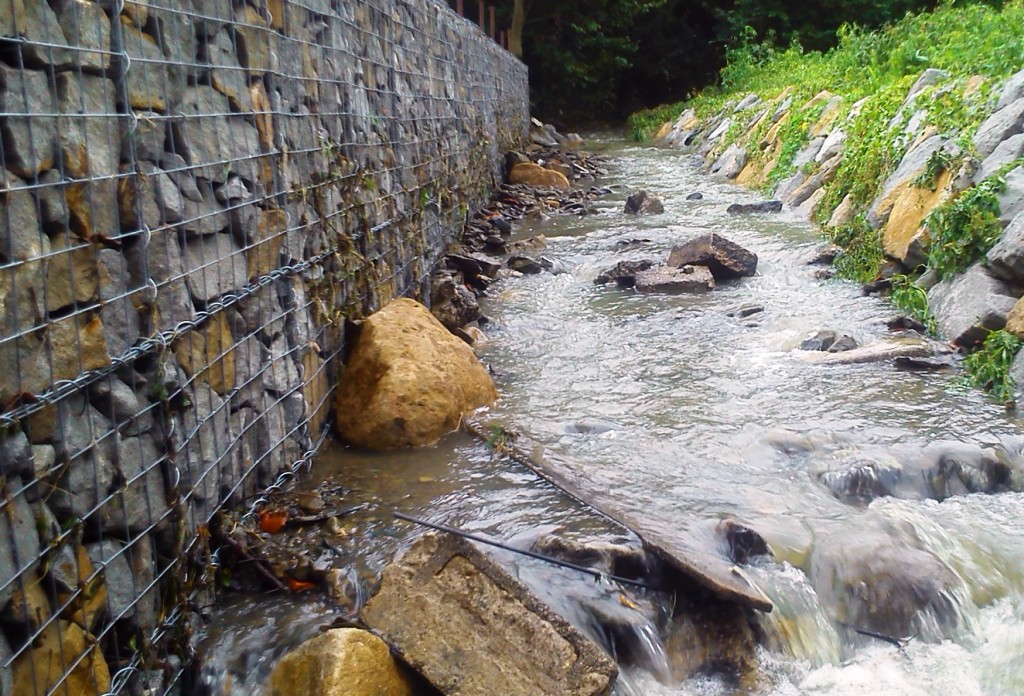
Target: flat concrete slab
[(468, 627)]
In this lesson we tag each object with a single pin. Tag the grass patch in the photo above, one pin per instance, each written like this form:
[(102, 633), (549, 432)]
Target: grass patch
[(989, 366)]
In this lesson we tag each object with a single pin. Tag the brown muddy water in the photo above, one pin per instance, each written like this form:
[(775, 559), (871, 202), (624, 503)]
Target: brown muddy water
[(674, 406)]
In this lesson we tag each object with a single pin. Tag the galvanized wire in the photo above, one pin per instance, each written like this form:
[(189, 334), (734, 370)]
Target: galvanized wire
[(193, 197)]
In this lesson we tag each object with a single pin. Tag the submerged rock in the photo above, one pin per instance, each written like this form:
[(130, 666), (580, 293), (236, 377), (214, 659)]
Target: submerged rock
[(474, 629), (879, 351), (821, 340), (725, 259), (409, 381), (748, 208), (340, 661), (524, 264), (869, 578), (623, 273)]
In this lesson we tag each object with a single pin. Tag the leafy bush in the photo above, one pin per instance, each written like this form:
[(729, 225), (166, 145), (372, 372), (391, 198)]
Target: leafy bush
[(963, 229), (989, 366), (912, 299), (861, 254)]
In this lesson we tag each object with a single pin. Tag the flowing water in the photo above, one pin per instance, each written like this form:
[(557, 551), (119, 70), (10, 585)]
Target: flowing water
[(678, 409)]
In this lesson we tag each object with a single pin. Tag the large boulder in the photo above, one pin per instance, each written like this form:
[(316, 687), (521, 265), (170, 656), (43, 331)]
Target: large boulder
[(408, 381), (535, 175), (1006, 258), (475, 629), (970, 305), (913, 165), (731, 163), (725, 259), (870, 578), (340, 661)]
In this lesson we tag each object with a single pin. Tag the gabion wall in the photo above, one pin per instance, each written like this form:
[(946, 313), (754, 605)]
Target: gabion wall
[(194, 196)]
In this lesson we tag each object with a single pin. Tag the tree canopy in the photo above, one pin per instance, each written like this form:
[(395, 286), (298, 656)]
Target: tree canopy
[(598, 60)]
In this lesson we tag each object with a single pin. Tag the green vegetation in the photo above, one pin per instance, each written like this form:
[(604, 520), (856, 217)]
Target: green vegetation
[(912, 299), (989, 366), (965, 228), (861, 253), (644, 125)]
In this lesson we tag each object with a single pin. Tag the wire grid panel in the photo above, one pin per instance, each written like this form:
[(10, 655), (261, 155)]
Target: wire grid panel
[(195, 194)]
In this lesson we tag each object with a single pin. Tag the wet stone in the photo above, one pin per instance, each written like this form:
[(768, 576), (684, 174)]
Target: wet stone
[(623, 273), (45, 43), (226, 75), (21, 542), (520, 645), (524, 264), (687, 279), (143, 502), (725, 259), (88, 27), (643, 203), (216, 266), (216, 145), (53, 206), (749, 208), (108, 557), (20, 237), (16, 455), (28, 142)]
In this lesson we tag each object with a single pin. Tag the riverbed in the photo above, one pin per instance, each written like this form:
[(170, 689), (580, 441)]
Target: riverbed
[(678, 409)]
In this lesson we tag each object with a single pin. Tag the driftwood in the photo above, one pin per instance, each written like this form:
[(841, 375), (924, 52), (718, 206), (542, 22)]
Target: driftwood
[(716, 573)]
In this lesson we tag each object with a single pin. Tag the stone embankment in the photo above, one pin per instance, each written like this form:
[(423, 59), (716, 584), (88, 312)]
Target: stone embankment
[(194, 197), (752, 142)]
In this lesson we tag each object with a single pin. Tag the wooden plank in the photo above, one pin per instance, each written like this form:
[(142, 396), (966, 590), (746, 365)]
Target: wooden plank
[(714, 572)]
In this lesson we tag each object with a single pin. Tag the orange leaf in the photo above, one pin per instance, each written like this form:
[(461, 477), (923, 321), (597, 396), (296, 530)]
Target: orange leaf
[(298, 585), (271, 521)]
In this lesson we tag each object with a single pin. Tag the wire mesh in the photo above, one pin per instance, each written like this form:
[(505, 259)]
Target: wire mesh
[(195, 195)]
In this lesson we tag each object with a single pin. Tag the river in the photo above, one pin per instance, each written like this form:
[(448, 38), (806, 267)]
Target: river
[(677, 408)]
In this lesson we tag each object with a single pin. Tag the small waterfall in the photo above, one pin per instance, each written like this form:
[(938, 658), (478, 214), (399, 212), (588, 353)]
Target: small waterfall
[(648, 651), (798, 626)]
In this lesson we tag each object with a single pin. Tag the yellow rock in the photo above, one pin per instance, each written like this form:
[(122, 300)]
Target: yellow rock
[(409, 381), (56, 651), (535, 175), (911, 206), (1015, 320), (263, 256), (341, 661), (209, 352), (663, 132), (88, 605), (77, 343)]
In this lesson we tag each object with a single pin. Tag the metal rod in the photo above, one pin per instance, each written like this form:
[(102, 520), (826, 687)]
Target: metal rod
[(459, 9), (480, 15), (531, 554), (494, 35)]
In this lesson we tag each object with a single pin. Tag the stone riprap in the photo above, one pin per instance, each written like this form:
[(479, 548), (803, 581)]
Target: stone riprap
[(968, 305), (194, 196)]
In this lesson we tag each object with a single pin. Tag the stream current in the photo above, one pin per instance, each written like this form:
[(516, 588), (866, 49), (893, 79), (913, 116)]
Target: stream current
[(674, 406)]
